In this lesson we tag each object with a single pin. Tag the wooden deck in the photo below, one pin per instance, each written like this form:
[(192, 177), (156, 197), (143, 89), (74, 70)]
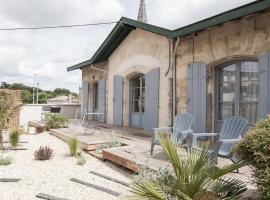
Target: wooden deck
[(135, 153)]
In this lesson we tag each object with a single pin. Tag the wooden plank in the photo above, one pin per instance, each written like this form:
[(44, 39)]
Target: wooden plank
[(48, 197), (108, 191), (120, 160), (66, 137), (22, 142), (110, 178), (14, 149), (9, 180)]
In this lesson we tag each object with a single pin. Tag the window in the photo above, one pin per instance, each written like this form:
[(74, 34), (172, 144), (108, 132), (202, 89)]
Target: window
[(137, 93), (238, 90), (95, 97)]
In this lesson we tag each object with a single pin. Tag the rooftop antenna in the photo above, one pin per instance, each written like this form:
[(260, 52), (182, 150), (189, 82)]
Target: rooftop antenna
[(142, 17)]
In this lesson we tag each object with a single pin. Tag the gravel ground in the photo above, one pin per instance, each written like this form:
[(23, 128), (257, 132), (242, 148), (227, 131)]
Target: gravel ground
[(53, 176)]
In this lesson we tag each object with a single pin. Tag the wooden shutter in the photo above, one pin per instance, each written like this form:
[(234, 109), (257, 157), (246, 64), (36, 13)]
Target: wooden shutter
[(85, 96), (118, 101), (197, 95), (264, 85), (151, 114), (101, 99)]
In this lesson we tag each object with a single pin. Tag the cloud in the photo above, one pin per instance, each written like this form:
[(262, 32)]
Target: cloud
[(49, 52)]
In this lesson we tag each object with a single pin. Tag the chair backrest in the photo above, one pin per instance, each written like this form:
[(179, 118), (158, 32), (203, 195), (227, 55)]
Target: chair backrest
[(233, 128), (182, 122)]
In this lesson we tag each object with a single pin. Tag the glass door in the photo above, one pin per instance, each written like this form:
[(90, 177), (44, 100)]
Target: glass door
[(137, 91), (238, 90)]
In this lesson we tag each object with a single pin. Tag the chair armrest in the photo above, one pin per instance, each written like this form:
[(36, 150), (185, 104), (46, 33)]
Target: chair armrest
[(162, 130), (204, 134), (232, 141), (187, 131)]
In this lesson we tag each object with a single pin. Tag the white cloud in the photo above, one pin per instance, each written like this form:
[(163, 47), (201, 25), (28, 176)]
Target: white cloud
[(49, 52)]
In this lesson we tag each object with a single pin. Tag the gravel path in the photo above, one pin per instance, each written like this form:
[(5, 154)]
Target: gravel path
[(53, 176)]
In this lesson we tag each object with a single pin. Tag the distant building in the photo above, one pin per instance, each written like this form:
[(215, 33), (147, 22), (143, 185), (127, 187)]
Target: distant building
[(63, 100)]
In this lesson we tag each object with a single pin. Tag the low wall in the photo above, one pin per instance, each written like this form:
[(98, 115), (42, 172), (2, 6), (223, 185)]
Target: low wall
[(32, 112)]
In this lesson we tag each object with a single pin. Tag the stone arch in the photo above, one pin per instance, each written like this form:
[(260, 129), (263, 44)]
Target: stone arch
[(137, 63)]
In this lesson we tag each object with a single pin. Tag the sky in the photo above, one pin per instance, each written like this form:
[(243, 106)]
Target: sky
[(47, 53)]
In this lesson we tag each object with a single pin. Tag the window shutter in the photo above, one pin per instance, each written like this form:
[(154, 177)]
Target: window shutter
[(151, 114), (102, 99), (118, 101), (197, 95), (264, 85), (85, 96)]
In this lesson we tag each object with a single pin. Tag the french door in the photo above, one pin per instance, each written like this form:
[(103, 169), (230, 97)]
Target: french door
[(137, 91), (237, 91)]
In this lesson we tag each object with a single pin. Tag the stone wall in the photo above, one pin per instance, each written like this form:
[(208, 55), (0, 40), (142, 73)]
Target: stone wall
[(141, 52), (16, 96), (246, 38)]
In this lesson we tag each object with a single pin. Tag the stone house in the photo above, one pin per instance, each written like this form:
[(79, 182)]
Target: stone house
[(143, 75)]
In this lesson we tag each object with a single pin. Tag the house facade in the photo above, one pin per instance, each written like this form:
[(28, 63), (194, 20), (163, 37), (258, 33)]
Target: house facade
[(143, 75)]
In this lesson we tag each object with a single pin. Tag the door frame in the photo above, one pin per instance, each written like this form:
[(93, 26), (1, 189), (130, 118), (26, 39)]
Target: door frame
[(130, 101), (217, 67)]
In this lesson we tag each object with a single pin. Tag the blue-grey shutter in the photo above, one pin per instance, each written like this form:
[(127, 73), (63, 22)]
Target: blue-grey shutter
[(264, 85), (101, 99), (118, 101), (197, 95), (151, 113), (85, 96)]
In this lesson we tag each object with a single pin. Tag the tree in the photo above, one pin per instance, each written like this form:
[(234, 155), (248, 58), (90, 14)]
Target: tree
[(194, 177), (61, 91), (26, 96)]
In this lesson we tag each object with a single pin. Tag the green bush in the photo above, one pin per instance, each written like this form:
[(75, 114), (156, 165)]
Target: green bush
[(81, 159), (108, 145), (6, 160), (73, 146), (255, 149), (55, 121), (14, 137)]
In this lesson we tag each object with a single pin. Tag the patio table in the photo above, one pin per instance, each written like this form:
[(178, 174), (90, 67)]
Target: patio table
[(92, 124)]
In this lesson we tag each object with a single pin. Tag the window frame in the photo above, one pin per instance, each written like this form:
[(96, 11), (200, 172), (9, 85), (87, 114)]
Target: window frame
[(237, 88)]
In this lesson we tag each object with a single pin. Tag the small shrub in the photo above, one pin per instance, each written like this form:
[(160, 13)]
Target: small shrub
[(255, 149), (14, 137), (73, 146), (43, 153), (55, 121), (107, 145), (6, 160), (81, 159)]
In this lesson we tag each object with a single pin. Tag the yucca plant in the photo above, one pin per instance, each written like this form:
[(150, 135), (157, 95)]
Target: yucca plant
[(7, 109), (73, 146), (14, 137), (193, 177)]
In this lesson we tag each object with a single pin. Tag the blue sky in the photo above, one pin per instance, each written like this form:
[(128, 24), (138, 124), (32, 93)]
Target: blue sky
[(49, 52)]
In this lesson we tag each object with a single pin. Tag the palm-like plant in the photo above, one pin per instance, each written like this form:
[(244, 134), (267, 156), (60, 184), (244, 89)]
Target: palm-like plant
[(7, 109), (192, 177)]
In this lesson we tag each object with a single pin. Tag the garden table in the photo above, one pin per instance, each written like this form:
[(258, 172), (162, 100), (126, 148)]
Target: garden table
[(92, 121)]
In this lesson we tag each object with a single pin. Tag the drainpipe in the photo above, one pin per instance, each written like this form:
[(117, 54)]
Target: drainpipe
[(174, 76)]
